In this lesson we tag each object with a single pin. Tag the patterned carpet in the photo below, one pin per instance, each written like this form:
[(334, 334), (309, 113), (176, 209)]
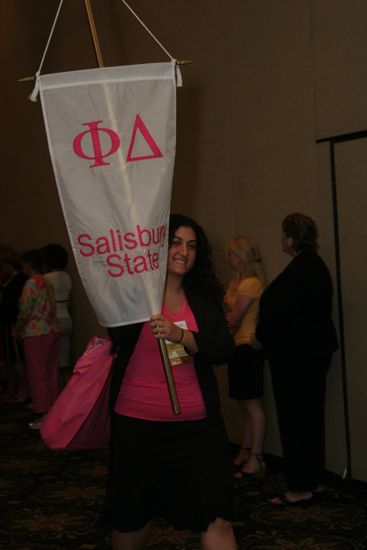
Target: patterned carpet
[(51, 500)]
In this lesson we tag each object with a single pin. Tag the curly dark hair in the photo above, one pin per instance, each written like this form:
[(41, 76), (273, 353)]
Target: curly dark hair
[(303, 231), (201, 277)]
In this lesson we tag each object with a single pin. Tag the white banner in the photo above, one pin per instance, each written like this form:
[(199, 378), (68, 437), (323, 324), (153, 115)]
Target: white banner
[(112, 137)]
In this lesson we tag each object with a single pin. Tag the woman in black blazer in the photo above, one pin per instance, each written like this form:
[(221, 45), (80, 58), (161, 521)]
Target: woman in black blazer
[(299, 338)]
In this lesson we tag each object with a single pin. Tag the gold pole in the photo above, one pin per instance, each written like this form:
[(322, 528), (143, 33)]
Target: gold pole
[(93, 31), (162, 345), (169, 377)]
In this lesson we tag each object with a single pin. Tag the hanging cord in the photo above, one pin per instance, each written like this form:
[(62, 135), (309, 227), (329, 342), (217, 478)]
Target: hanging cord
[(173, 60), (34, 94), (148, 30)]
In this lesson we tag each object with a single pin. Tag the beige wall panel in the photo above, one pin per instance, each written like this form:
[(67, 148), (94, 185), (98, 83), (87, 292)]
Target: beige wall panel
[(340, 48)]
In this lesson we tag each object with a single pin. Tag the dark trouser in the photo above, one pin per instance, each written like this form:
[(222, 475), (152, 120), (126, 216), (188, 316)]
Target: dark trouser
[(299, 389)]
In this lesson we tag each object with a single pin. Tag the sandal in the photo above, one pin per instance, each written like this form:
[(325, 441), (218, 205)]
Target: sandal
[(245, 452), (286, 503), (260, 470), (36, 425)]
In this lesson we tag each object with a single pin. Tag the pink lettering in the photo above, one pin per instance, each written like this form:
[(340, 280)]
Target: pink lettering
[(141, 233), (85, 244), (139, 125), (96, 143), (117, 266)]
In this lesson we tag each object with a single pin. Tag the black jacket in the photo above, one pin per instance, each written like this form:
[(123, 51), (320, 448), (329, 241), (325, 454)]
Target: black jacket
[(295, 311), (213, 339), (9, 307)]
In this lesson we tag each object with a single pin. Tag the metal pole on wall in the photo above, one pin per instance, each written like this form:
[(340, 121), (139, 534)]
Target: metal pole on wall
[(332, 140), (347, 474)]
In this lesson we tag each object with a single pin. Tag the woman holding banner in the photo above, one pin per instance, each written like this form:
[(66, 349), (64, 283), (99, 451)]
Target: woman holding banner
[(178, 467)]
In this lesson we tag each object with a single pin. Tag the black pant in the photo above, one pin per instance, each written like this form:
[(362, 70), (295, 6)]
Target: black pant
[(299, 389)]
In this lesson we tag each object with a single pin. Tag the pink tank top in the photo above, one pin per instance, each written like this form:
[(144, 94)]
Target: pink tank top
[(144, 394)]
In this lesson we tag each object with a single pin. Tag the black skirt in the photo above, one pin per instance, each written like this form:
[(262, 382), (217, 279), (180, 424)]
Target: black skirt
[(246, 373), (180, 471)]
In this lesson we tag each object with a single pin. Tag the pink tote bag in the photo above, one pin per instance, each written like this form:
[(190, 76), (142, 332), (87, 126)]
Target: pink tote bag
[(80, 416)]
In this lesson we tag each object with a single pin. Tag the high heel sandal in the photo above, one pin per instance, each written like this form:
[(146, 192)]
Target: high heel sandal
[(243, 451), (260, 470)]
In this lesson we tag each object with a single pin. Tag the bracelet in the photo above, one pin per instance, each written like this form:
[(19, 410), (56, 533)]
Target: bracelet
[(181, 337)]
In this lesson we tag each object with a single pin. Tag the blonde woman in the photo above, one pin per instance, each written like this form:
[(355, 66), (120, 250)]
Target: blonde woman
[(245, 370)]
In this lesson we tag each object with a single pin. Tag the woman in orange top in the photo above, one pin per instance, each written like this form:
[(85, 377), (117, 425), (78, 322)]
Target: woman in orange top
[(245, 370)]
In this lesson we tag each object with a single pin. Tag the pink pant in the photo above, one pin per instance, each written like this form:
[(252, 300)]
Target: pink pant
[(42, 364)]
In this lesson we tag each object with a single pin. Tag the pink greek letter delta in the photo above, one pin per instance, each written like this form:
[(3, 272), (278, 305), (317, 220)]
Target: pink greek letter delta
[(139, 125)]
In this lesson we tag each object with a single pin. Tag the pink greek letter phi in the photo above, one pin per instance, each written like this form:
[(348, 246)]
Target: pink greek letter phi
[(98, 154)]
